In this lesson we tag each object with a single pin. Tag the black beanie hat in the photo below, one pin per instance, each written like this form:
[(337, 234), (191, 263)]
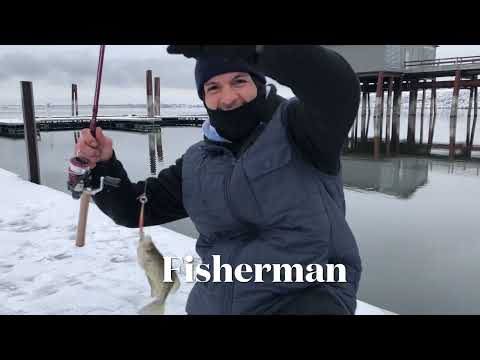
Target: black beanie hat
[(210, 66)]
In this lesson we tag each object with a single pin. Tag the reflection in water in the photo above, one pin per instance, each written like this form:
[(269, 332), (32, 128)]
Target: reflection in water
[(399, 177), (151, 149), (420, 256), (158, 142), (155, 150)]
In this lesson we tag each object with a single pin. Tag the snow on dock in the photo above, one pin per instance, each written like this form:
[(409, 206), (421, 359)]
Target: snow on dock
[(42, 272)]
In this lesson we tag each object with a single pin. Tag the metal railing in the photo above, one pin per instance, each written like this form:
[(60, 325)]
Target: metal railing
[(444, 61)]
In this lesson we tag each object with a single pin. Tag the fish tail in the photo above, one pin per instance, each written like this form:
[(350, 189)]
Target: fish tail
[(154, 308)]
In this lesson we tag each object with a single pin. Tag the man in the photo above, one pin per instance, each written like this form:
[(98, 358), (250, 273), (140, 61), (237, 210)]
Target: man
[(265, 185)]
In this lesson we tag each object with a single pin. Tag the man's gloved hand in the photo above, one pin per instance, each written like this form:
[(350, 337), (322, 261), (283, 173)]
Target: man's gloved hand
[(248, 53)]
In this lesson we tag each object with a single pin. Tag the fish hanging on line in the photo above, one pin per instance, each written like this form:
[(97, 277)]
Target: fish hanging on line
[(152, 262)]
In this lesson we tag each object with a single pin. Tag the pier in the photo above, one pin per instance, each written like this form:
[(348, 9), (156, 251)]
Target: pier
[(419, 78)]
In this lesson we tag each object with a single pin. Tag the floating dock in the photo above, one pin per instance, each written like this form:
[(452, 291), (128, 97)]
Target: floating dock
[(15, 128)]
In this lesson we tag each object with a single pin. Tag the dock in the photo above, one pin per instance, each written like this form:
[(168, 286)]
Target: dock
[(142, 124)]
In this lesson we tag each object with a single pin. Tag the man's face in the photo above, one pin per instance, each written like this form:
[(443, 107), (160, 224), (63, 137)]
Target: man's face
[(229, 91)]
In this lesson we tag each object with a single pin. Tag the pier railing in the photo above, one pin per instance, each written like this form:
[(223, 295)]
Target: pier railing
[(444, 61)]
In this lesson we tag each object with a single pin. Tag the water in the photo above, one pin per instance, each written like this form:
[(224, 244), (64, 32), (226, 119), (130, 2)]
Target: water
[(415, 219), (52, 110)]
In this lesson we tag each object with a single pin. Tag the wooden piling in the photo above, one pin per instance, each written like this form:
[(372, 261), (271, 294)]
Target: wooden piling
[(380, 118), (157, 96), (389, 116), (474, 125), (397, 107), (73, 99), (412, 113), (453, 115), (30, 131), (76, 100), (364, 118), (376, 116), (149, 94), (433, 115), (469, 115), (368, 114), (421, 116)]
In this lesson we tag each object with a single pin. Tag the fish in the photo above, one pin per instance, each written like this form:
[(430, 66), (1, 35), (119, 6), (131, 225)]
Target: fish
[(152, 262)]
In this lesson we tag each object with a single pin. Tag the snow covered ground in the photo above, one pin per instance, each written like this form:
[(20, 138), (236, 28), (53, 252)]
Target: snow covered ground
[(43, 272)]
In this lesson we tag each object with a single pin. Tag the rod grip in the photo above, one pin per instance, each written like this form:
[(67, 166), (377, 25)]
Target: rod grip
[(82, 219)]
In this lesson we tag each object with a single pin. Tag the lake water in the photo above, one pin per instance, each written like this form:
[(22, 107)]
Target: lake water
[(415, 219)]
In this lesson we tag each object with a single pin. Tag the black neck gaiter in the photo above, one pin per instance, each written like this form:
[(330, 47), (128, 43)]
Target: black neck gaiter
[(236, 125)]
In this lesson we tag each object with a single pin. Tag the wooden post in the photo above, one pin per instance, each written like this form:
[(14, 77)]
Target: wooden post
[(412, 112), (76, 100), (469, 115), (453, 116), (380, 125), (474, 125), (433, 115), (397, 108), (364, 116), (149, 94), (368, 115), (421, 115), (430, 119), (376, 116), (389, 115), (157, 96), (73, 99), (30, 131)]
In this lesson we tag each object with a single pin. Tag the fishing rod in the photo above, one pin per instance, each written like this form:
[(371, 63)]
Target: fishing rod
[(93, 122), (79, 173)]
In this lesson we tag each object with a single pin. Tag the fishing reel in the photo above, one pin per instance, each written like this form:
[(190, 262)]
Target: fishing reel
[(80, 179)]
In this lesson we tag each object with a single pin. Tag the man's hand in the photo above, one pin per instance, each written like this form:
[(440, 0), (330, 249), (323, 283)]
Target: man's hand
[(248, 53), (93, 149)]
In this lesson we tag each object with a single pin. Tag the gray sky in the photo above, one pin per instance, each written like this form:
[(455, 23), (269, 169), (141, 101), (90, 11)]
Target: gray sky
[(53, 68)]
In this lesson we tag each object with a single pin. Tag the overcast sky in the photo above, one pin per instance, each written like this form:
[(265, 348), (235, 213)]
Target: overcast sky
[(53, 69)]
